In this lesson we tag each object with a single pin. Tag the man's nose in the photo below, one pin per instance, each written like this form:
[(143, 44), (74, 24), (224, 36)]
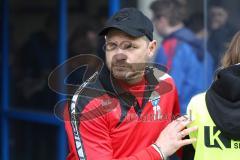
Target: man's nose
[(120, 55)]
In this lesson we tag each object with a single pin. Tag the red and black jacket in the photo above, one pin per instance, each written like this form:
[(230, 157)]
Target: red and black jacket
[(115, 123)]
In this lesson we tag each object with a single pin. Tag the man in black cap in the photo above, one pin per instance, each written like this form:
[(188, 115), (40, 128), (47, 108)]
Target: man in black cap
[(126, 110)]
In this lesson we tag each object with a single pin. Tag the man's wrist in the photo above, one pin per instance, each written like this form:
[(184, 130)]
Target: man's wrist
[(159, 150)]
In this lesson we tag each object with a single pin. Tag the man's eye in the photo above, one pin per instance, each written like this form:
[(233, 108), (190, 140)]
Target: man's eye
[(127, 46), (134, 46), (110, 46)]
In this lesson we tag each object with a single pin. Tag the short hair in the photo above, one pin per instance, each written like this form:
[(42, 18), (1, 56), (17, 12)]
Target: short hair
[(232, 55), (173, 10)]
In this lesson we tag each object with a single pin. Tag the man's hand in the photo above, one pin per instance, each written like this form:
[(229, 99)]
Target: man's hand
[(171, 138)]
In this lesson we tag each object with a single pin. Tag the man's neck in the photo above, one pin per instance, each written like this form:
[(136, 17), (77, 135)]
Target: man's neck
[(172, 29)]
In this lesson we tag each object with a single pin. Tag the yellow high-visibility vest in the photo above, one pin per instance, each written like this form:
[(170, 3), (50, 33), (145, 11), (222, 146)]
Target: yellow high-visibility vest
[(211, 143)]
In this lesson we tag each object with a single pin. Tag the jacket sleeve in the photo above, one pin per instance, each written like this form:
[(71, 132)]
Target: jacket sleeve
[(96, 142)]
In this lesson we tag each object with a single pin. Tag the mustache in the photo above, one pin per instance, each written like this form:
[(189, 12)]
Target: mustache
[(121, 65)]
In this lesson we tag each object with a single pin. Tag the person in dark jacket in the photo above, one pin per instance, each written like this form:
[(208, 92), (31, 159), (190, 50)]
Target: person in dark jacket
[(220, 31)]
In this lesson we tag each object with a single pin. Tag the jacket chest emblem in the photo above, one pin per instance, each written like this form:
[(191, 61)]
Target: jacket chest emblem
[(154, 99)]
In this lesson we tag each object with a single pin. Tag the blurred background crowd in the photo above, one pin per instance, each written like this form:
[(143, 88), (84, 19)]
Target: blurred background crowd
[(33, 52)]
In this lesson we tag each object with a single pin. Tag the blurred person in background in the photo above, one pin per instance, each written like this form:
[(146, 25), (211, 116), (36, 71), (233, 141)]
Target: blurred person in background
[(220, 31), (195, 22), (33, 62), (181, 51), (38, 56), (217, 111)]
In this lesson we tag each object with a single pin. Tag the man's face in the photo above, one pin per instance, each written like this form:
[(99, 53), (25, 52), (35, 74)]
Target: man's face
[(218, 17), (126, 56), (161, 25)]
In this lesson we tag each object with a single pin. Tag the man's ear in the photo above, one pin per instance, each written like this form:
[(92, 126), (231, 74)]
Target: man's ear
[(152, 48)]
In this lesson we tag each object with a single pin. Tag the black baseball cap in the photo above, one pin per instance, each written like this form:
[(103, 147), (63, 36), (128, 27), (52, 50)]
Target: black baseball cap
[(130, 21)]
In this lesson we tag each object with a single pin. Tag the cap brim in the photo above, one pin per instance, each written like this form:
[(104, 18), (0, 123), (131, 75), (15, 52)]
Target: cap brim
[(130, 32)]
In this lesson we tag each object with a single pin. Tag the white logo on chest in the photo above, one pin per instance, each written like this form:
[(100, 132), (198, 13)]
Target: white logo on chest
[(154, 99)]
